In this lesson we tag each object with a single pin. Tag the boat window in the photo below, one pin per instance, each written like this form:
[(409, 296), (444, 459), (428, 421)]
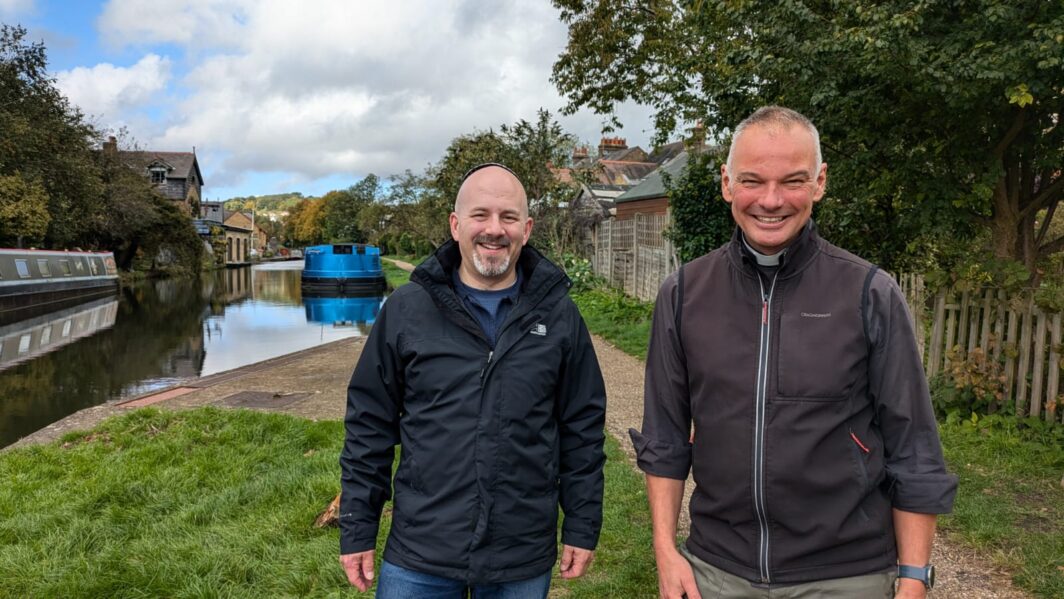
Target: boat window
[(42, 265), (64, 266), (46, 336), (79, 265), (95, 266), (23, 269), (342, 249)]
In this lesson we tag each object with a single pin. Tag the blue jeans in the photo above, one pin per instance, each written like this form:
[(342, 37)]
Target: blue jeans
[(400, 583)]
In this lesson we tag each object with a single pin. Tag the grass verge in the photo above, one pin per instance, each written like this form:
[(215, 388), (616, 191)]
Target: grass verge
[(621, 320), (219, 503), (1010, 503), (394, 275)]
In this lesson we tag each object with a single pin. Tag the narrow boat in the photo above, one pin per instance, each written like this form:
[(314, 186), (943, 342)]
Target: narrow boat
[(38, 281), (342, 268)]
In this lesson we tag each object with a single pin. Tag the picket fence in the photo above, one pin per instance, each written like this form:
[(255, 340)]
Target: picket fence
[(633, 254), (1021, 343)]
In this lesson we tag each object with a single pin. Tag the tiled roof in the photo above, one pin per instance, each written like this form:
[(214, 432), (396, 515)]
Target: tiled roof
[(182, 163), (653, 186)]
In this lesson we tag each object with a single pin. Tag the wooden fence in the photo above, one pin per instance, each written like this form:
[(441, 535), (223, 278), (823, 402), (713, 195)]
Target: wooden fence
[(633, 255), (1019, 343)]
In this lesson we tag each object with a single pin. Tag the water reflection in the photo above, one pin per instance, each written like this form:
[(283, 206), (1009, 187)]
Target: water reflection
[(158, 333)]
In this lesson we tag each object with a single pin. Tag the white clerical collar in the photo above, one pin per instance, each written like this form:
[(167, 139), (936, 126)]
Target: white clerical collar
[(762, 259)]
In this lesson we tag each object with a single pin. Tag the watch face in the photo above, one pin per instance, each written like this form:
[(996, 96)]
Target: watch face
[(930, 577)]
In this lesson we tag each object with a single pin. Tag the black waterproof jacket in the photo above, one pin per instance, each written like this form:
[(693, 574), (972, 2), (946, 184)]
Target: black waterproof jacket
[(811, 412), (492, 440)]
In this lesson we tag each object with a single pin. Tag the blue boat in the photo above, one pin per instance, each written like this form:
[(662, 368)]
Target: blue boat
[(343, 269)]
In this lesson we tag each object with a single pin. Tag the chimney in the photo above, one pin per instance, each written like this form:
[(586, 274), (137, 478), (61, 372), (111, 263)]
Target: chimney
[(612, 144), (111, 145), (698, 136), (579, 153)]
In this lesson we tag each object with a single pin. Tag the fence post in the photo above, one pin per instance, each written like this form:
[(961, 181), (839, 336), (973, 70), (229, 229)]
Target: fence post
[(1039, 363), (937, 330), (1053, 388), (1010, 358), (1025, 356)]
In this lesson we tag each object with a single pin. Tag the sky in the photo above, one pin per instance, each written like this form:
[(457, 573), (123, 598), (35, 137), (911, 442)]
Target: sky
[(307, 96)]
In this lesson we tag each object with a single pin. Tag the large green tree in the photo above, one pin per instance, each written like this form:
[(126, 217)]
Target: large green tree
[(340, 218), (935, 115), (45, 140)]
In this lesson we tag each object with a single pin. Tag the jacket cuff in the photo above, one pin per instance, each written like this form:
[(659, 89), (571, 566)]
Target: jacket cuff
[(923, 493), (357, 539), (583, 539), (661, 459)]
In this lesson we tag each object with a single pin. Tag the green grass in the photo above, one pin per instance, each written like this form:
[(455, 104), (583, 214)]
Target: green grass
[(621, 320), (1010, 503), (219, 503), (395, 276)]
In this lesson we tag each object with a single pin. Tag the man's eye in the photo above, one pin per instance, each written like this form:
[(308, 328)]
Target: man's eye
[(750, 183), (794, 183)]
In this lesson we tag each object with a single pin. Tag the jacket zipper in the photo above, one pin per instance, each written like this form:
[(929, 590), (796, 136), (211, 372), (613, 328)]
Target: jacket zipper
[(759, 429), (484, 371)]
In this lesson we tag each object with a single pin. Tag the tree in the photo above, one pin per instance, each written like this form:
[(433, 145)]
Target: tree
[(535, 149), (45, 139), (23, 211), (702, 220), (340, 213), (934, 115), (305, 224)]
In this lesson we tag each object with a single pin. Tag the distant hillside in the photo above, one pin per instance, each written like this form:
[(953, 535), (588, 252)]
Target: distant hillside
[(268, 203)]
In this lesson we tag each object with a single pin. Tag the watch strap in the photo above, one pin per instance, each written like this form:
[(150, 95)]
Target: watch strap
[(923, 574)]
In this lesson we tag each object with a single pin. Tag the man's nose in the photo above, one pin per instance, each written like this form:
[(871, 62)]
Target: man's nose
[(773, 197), (493, 226)]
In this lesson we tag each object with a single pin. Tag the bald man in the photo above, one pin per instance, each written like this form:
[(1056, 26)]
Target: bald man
[(483, 371)]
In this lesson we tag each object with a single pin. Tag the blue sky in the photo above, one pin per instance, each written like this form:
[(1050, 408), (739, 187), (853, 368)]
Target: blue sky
[(278, 96)]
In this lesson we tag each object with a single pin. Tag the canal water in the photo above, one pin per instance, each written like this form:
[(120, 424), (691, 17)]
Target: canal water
[(155, 334)]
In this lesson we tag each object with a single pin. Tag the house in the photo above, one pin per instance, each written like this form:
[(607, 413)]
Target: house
[(236, 227), (242, 220), (176, 175), (617, 169), (650, 195)]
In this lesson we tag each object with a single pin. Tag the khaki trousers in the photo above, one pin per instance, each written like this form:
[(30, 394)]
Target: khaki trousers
[(714, 583)]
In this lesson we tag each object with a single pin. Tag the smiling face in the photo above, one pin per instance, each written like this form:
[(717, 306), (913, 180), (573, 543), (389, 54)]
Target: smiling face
[(490, 223), (772, 184)]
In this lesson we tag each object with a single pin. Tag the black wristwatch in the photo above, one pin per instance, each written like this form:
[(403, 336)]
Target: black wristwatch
[(925, 574)]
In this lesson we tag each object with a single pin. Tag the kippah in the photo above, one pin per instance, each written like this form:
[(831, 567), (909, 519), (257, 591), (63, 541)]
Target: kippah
[(486, 165)]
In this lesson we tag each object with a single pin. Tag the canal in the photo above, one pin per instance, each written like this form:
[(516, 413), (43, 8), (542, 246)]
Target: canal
[(155, 334)]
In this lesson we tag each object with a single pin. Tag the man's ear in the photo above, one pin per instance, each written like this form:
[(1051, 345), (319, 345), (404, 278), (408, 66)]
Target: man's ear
[(725, 183), (454, 226), (528, 230)]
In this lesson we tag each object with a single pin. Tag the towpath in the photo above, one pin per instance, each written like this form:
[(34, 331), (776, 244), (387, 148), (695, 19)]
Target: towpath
[(312, 384)]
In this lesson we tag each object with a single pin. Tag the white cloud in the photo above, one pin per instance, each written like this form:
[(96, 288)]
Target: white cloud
[(108, 91), (15, 7), (337, 87)]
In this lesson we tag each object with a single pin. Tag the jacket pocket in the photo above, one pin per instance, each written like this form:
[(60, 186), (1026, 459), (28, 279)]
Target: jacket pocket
[(820, 354), (860, 452)]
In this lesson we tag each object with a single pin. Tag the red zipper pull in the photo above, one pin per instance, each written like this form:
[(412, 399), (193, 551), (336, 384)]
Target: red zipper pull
[(764, 312)]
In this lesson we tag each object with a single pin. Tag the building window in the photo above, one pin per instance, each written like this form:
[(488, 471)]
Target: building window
[(158, 175), (42, 265), (23, 269)]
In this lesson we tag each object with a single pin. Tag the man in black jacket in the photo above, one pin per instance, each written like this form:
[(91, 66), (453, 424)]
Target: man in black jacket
[(817, 465), (484, 373)]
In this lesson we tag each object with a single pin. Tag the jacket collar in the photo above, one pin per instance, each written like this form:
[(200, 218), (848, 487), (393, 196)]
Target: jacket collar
[(794, 259), (538, 275)]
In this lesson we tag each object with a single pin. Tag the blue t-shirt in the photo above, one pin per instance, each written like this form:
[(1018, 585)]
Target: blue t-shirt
[(488, 307)]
